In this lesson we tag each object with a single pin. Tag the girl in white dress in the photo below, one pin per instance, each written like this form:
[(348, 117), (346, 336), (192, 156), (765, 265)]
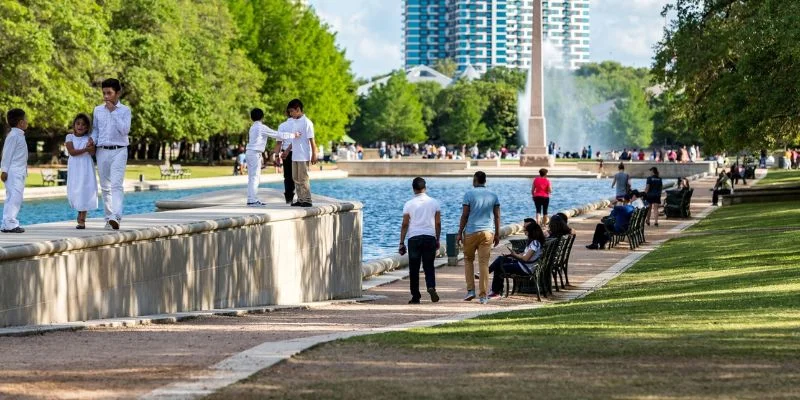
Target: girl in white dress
[(81, 179)]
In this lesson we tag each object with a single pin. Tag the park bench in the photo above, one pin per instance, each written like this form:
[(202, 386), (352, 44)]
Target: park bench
[(50, 176), (634, 234), (538, 267), (166, 172), (181, 172), (677, 203), (562, 265)]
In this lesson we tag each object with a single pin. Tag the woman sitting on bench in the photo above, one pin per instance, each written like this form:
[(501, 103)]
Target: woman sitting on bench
[(516, 263)]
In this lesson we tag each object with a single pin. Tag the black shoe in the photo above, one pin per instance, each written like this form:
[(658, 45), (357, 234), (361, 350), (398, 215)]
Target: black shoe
[(434, 295), (592, 246), (306, 205), (80, 226), (15, 230), (297, 204), (413, 301), (114, 224)]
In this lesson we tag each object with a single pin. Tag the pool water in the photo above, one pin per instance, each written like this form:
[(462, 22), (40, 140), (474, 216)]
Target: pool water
[(383, 200)]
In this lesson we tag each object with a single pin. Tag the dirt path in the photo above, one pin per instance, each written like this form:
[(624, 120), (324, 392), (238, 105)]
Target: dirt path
[(129, 362)]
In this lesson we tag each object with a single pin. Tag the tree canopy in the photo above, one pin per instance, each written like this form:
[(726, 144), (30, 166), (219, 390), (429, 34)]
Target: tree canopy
[(732, 67), (392, 112)]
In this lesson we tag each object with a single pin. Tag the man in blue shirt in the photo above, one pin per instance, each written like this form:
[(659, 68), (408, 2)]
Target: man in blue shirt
[(480, 231), (622, 218)]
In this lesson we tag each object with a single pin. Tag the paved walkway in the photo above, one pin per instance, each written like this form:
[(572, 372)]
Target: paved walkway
[(130, 362)]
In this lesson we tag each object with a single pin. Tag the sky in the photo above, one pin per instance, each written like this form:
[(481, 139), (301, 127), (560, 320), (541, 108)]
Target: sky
[(370, 31)]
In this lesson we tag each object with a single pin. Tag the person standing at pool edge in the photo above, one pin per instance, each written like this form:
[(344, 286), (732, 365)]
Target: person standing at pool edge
[(479, 208), (284, 150), (14, 166), (257, 143), (541, 196), (652, 192), (422, 222), (110, 128), (304, 153)]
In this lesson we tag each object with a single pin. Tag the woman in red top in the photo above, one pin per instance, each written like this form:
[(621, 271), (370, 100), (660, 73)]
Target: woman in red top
[(541, 196)]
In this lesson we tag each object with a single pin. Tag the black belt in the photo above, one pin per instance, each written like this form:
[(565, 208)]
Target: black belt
[(111, 147)]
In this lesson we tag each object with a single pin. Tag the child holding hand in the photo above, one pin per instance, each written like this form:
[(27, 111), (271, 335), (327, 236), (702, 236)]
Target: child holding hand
[(81, 179)]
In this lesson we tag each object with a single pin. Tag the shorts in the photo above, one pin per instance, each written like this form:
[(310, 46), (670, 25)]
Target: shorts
[(654, 198), (541, 204)]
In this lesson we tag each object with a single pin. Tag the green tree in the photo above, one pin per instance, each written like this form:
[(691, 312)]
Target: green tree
[(669, 126), (631, 121), (446, 66), (392, 112), (298, 56), (516, 78), (500, 116), (737, 64), (460, 116), (427, 93)]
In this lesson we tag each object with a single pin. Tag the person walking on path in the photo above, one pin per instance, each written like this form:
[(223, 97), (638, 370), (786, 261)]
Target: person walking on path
[(653, 193), (622, 182), (480, 215), (284, 150), (422, 223), (110, 128), (81, 179), (541, 196), (304, 153), (14, 166)]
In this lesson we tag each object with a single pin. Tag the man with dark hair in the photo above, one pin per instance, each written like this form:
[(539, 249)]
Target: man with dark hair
[(304, 153), (423, 224), (480, 230), (14, 166), (110, 127)]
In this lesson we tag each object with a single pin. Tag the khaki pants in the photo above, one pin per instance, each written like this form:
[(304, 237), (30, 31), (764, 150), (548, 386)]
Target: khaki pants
[(301, 182), (482, 243)]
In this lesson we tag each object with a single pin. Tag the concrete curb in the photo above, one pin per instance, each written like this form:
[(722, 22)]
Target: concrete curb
[(30, 330)]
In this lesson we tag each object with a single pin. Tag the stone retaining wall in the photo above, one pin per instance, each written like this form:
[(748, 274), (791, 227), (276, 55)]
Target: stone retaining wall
[(415, 167), (217, 263), (641, 169)]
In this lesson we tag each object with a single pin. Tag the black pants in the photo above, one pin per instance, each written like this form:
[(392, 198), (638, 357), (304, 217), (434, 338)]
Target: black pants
[(421, 249), (715, 196), (600, 236), (541, 204), (503, 264), (288, 182)]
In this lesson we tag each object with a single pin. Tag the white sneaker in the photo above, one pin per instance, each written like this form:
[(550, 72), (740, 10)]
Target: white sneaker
[(484, 300), (257, 203)]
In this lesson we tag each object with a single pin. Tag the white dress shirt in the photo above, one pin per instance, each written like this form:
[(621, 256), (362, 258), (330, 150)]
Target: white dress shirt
[(285, 126), (301, 147), (111, 128), (259, 134), (15, 153)]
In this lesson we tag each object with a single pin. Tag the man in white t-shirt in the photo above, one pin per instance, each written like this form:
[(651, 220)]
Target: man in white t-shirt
[(422, 222)]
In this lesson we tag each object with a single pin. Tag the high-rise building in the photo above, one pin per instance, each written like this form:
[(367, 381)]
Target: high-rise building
[(487, 33)]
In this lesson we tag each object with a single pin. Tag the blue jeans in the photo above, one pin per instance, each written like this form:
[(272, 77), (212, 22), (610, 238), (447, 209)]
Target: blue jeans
[(421, 250)]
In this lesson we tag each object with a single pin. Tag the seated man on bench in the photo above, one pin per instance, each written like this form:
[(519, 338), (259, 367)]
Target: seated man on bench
[(617, 221)]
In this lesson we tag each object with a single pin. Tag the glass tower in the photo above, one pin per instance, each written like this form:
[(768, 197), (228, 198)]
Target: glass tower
[(487, 33)]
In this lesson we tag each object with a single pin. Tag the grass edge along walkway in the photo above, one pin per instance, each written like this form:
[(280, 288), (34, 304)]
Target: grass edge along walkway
[(714, 316)]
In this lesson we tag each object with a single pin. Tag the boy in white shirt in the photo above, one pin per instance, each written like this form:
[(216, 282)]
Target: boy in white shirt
[(423, 224), (14, 166), (255, 147), (304, 153)]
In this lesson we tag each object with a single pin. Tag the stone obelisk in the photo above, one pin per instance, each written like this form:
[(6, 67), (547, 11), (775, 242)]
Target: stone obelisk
[(536, 150)]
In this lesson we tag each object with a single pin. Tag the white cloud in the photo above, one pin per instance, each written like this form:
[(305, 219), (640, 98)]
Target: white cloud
[(368, 30), (626, 30)]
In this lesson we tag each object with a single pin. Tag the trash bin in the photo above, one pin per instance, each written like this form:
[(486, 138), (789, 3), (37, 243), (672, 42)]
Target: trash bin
[(452, 249), (782, 162)]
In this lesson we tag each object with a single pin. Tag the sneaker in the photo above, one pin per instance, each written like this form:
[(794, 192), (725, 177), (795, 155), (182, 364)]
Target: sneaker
[(484, 300), (14, 230), (493, 295), (470, 295), (257, 203), (413, 301), (434, 295), (114, 224)]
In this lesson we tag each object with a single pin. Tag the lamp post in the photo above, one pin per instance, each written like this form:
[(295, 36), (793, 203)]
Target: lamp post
[(536, 150)]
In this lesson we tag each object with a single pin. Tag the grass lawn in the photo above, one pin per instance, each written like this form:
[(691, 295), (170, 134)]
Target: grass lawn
[(713, 315), (781, 176)]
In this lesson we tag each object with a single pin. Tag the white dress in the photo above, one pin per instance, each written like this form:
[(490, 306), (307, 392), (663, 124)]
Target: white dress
[(81, 179)]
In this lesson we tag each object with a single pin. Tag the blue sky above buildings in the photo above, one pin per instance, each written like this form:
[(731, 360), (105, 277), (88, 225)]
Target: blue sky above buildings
[(371, 31)]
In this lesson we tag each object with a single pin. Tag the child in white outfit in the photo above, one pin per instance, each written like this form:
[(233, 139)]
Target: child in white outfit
[(14, 166), (255, 147), (81, 179)]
